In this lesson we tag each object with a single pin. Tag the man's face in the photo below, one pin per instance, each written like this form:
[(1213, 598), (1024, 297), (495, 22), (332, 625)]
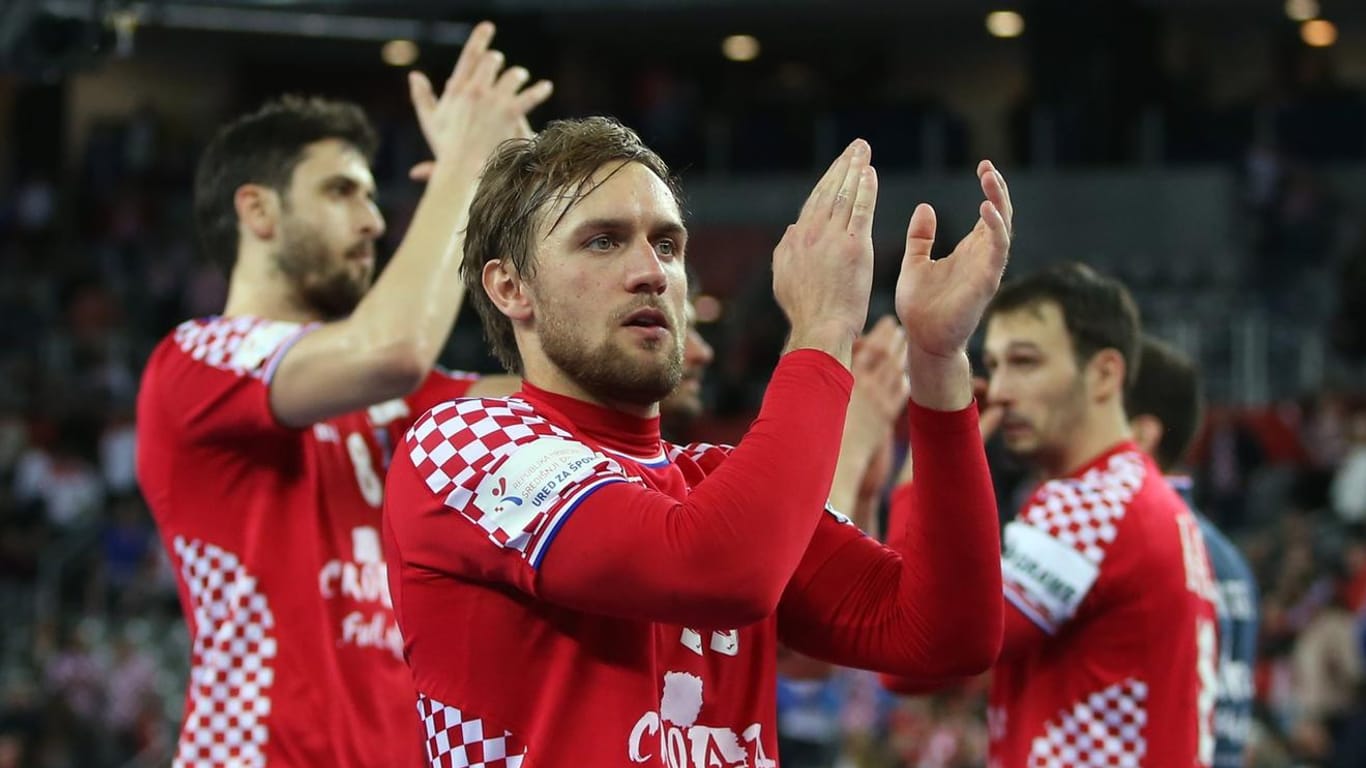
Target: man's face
[(685, 402), (328, 228), (1035, 378), (609, 287)]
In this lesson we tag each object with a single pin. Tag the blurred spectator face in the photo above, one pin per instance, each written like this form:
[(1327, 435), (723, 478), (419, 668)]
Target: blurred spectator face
[(1034, 376), (328, 227), (685, 402)]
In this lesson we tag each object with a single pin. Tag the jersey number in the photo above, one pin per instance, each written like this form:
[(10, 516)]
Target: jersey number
[(1207, 658), (370, 486)]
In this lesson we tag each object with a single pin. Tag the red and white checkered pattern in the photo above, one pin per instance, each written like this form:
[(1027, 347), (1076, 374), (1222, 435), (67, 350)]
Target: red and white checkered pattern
[(244, 345), (460, 439), (1085, 513), (456, 739), (231, 672), (1104, 731), (704, 455), (459, 444)]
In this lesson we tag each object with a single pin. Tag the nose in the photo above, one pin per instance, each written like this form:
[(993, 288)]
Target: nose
[(646, 272), (372, 222), (998, 389), (697, 352)]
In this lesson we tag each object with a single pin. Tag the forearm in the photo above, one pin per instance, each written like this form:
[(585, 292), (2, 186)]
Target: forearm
[(953, 537), (932, 607), (415, 301)]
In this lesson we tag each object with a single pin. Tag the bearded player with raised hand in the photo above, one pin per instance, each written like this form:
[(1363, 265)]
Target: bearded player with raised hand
[(575, 591), (263, 434), (1111, 650)]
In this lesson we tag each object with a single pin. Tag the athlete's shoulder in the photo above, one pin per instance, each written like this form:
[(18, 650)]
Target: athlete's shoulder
[(1085, 512), (244, 345), (487, 421)]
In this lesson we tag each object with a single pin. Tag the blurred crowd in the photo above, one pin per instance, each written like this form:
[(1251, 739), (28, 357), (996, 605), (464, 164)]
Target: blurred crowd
[(99, 262)]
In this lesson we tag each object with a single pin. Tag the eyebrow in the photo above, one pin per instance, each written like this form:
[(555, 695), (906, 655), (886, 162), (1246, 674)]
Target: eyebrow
[(658, 227), (344, 178)]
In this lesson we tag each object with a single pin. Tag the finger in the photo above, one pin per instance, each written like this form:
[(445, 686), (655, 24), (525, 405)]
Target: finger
[(842, 205), (919, 236), (420, 91), (512, 80), (470, 56), (994, 187), (422, 171), (997, 229), (865, 203), (990, 420), (884, 333), (486, 73), (534, 96), (979, 387), (832, 176)]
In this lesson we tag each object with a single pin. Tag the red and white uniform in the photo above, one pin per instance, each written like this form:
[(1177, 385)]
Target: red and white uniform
[(573, 591), (274, 534), (1111, 648)]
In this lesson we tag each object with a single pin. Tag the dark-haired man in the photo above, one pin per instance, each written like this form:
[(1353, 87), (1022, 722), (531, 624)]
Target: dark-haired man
[(263, 434), (1165, 405), (1111, 649)]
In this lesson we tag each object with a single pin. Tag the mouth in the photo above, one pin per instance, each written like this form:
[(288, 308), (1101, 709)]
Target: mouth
[(649, 319), (364, 252)]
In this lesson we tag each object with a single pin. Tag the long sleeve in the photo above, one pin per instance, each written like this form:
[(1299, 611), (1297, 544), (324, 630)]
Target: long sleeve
[(541, 511), (927, 605)]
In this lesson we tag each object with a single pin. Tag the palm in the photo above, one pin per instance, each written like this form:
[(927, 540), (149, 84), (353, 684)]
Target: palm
[(940, 302)]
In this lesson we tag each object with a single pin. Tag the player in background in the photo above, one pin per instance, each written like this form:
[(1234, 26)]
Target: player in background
[(1111, 650), (681, 407), (1165, 405), (575, 591), (264, 433)]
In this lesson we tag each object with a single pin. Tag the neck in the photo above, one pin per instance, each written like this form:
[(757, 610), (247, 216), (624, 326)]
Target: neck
[(256, 288), (545, 375), (1103, 428)]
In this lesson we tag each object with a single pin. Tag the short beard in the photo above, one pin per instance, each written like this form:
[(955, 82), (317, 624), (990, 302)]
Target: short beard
[(607, 373), (327, 288)]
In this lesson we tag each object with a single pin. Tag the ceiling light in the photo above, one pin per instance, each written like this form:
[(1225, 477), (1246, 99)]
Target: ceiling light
[(1318, 33), (1302, 10), (399, 53), (1005, 24), (740, 48)]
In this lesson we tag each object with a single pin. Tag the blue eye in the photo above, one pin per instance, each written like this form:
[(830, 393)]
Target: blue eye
[(600, 243), (665, 247)]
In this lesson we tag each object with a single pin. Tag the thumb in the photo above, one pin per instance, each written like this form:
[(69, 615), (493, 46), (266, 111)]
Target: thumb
[(990, 420), (422, 171), (919, 235)]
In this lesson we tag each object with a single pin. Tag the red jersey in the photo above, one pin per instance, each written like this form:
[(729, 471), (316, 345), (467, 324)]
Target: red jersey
[(573, 591), (1111, 655), (274, 534)]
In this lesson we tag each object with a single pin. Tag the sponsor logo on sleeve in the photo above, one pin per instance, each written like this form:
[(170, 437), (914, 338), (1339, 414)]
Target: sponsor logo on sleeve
[(1047, 578), (514, 499)]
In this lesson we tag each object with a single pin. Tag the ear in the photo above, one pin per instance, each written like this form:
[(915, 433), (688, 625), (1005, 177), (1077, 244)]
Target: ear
[(258, 210), (1106, 372), (1147, 430), (506, 290)]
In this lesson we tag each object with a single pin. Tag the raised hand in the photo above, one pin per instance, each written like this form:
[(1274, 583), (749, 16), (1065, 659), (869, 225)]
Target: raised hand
[(481, 105), (879, 396), (823, 267), (880, 385), (941, 302)]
